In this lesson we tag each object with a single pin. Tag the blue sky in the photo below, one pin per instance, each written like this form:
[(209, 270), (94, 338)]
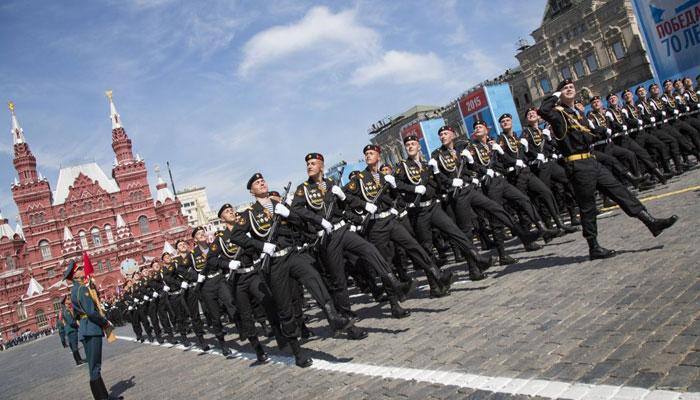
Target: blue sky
[(222, 89)]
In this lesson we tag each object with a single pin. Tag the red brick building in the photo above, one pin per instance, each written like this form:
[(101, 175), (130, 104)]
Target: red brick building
[(114, 219)]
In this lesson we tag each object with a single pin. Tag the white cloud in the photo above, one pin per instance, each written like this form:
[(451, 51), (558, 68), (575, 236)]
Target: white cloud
[(339, 34), (401, 67)]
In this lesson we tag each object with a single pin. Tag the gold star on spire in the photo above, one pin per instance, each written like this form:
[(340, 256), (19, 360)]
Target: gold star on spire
[(108, 93), (11, 106)]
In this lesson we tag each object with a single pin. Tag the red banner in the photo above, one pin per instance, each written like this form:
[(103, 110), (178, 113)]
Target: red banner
[(412, 129), (473, 102)]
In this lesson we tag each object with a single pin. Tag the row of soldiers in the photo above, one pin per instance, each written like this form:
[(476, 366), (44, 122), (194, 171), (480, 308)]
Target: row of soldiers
[(314, 238)]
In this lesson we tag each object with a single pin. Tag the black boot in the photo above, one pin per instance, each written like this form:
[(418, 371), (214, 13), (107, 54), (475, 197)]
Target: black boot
[(656, 226), (103, 390), (564, 228), (185, 341), (575, 220), (335, 320), (659, 176), (635, 180), (446, 279), (202, 345), (399, 289), (475, 273), (532, 246), (595, 251), (96, 391), (547, 234), (159, 339), (482, 262), (260, 353), (397, 311), (306, 332), (356, 333), (503, 257), (224, 349), (77, 358), (300, 357), (525, 235), (436, 289), (171, 339)]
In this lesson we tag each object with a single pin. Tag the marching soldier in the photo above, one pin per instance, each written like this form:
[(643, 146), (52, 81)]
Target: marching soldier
[(573, 136), (175, 287), (188, 268), (666, 103), (91, 329), (160, 303), (514, 159), (68, 330)]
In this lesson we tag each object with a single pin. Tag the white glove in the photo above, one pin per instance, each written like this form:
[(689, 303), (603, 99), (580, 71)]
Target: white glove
[(434, 165), (663, 113), (166, 288), (419, 189), (497, 147), (394, 211), (390, 180), (490, 172), (338, 192), (146, 298), (519, 163), (468, 155), (525, 144), (200, 278), (269, 248), (130, 308), (555, 156), (687, 108), (457, 182), (184, 285), (547, 133), (320, 233), (640, 123), (234, 265), (281, 210), (624, 127), (290, 197), (608, 131), (556, 94), (327, 226), (476, 181), (370, 208), (155, 295), (675, 111), (698, 105), (653, 119), (540, 157)]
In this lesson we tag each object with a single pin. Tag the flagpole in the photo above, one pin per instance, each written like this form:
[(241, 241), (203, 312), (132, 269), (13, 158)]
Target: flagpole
[(172, 183)]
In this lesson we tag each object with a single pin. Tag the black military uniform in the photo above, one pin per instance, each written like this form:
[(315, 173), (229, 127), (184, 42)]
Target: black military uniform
[(189, 268), (666, 104), (225, 255), (519, 174), (173, 285), (573, 140), (161, 310)]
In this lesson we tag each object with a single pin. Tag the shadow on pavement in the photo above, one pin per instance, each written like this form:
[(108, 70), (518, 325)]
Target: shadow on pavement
[(122, 386)]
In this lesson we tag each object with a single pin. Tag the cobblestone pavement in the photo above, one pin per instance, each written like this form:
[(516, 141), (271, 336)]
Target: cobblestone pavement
[(556, 324)]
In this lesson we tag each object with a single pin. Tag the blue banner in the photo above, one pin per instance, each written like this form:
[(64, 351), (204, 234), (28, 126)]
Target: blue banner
[(671, 31)]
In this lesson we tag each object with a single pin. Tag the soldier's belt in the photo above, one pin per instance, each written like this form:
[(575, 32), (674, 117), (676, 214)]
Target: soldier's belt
[(244, 270), (381, 215), (214, 275), (423, 204), (282, 253), (577, 157), (175, 293), (403, 214), (598, 143), (338, 226)]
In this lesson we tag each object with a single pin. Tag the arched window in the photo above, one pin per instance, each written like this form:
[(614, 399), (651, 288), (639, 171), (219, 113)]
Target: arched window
[(108, 233), (45, 249), (57, 305), (143, 224), (40, 318), (9, 263), (83, 240), (21, 311), (96, 238)]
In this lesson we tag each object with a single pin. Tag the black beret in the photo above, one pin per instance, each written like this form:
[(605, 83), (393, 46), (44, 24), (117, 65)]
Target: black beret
[(372, 147), (446, 128), (668, 81), (197, 229), (677, 81), (478, 122), (70, 270), (352, 174), (223, 208), (410, 138), (178, 242), (652, 85), (611, 94), (578, 100), (624, 92), (165, 253), (594, 98), (314, 156), (638, 88), (506, 115), (563, 83), (385, 166), (252, 179), (274, 193), (535, 109)]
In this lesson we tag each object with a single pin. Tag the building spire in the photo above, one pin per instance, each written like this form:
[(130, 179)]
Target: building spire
[(16, 130), (113, 114), (164, 192)]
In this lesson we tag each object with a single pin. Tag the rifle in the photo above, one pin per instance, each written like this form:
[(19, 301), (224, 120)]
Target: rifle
[(329, 208), (95, 296), (272, 233)]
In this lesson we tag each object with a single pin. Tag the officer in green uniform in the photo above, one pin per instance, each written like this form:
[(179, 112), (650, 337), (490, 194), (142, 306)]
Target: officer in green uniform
[(91, 325), (68, 330)]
